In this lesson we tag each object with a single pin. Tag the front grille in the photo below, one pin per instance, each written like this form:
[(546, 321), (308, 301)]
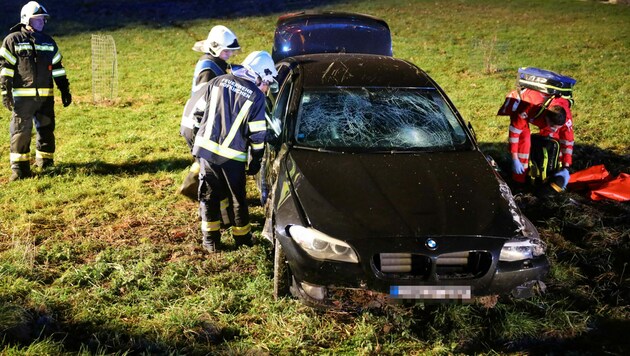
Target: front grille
[(456, 265), (403, 265), (463, 265)]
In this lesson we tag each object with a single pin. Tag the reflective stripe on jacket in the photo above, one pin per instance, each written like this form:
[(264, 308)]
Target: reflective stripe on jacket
[(233, 121), (525, 107), (29, 61)]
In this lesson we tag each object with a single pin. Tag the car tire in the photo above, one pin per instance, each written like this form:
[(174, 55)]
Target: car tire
[(282, 277)]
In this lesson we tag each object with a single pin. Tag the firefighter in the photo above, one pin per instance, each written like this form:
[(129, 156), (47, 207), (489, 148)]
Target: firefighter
[(552, 115), (233, 124), (29, 62), (218, 48)]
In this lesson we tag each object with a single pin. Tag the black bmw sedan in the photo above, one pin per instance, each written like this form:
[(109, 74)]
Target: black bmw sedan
[(373, 182)]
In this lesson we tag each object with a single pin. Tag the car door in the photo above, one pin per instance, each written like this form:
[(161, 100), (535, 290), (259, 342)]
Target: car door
[(275, 123)]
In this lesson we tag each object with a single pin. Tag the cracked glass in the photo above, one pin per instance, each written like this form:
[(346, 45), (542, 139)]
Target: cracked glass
[(377, 119)]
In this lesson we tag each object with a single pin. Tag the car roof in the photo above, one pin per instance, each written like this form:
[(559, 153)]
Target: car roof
[(330, 32), (357, 70)]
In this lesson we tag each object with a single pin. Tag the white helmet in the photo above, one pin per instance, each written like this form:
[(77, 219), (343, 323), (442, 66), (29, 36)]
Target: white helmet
[(220, 38), (262, 65), (32, 9)]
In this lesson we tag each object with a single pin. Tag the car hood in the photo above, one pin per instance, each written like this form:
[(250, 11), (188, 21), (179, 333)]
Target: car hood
[(370, 195)]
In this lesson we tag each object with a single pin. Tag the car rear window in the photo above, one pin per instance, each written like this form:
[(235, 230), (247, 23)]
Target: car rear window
[(377, 118)]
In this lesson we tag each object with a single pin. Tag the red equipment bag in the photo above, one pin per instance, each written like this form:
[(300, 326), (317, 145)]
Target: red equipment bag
[(591, 178), (617, 189)]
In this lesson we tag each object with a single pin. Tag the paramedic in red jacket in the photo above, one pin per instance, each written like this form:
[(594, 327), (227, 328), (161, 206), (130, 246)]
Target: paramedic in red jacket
[(551, 114)]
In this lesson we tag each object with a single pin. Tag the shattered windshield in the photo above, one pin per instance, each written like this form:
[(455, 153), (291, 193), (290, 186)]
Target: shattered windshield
[(377, 118)]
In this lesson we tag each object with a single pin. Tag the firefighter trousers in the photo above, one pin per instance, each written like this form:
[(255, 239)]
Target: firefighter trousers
[(216, 183), (26, 111)]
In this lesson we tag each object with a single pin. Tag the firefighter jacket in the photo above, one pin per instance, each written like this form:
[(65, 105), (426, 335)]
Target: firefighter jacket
[(526, 107), (207, 68), (233, 121), (29, 61)]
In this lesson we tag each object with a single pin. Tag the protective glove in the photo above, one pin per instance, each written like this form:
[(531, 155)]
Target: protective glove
[(517, 166), (562, 176), (7, 101), (253, 167), (66, 98)]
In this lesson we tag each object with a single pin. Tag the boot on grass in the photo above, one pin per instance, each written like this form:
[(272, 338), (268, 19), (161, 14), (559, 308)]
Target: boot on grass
[(20, 170)]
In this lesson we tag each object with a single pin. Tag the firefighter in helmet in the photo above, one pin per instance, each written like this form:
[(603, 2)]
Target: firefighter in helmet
[(29, 63), (231, 131), (218, 48)]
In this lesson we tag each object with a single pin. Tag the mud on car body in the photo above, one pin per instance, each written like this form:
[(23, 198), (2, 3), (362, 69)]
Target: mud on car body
[(372, 181)]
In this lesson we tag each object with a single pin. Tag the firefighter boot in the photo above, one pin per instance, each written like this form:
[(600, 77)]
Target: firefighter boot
[(243, 240), (190, 186), (21, 170), (211, 241), (44, 163)]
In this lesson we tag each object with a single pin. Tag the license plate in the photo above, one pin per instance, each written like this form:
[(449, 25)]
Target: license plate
[(430, 292)]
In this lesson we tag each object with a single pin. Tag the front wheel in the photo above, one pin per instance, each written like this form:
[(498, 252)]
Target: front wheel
[(281, 274)]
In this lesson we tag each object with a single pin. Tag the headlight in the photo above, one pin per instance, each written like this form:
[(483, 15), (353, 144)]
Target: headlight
[(322, 246), (522, 249)]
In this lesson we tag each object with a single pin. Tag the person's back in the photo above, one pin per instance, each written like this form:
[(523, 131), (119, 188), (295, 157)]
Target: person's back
[(230, 144)]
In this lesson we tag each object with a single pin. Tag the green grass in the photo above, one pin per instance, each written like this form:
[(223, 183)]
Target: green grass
[(102, 257)]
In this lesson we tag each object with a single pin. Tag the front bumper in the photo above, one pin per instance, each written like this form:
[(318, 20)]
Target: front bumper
[(469, 262)]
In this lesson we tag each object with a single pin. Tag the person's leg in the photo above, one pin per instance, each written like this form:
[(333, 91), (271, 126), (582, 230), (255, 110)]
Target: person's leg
[(234, 175), (209, 210), (20, 129), (45, 129)]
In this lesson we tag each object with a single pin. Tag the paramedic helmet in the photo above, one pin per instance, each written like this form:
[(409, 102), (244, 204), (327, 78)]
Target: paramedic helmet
[(220, 38), (32, 9), (262, 65)]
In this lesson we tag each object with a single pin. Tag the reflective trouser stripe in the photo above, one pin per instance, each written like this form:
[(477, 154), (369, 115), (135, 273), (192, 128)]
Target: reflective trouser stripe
[(210, 226), (32, 92), (47, 155), (18, 157), (241, 230)]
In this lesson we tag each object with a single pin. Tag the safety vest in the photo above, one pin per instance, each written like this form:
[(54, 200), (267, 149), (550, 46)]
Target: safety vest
[(216, 65)]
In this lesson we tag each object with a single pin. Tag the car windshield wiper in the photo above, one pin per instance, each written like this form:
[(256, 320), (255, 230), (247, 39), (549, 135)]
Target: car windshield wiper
[(318, 149)]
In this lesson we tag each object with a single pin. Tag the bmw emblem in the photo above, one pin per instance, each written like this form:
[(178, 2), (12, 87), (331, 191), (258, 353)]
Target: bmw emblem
[(431, 244)]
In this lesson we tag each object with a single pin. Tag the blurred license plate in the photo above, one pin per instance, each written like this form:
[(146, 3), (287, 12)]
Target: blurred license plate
[(430, 292)]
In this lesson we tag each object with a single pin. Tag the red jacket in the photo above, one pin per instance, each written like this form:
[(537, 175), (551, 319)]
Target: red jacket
[(526, 108)]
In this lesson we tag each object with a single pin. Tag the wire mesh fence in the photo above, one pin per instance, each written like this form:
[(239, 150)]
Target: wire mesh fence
[(104, 69)]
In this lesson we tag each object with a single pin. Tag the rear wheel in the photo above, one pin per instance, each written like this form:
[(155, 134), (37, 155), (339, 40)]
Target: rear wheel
[(281, 274)]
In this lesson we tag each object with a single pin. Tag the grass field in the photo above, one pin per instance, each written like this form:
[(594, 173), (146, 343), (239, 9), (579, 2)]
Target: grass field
[(102, 257)]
